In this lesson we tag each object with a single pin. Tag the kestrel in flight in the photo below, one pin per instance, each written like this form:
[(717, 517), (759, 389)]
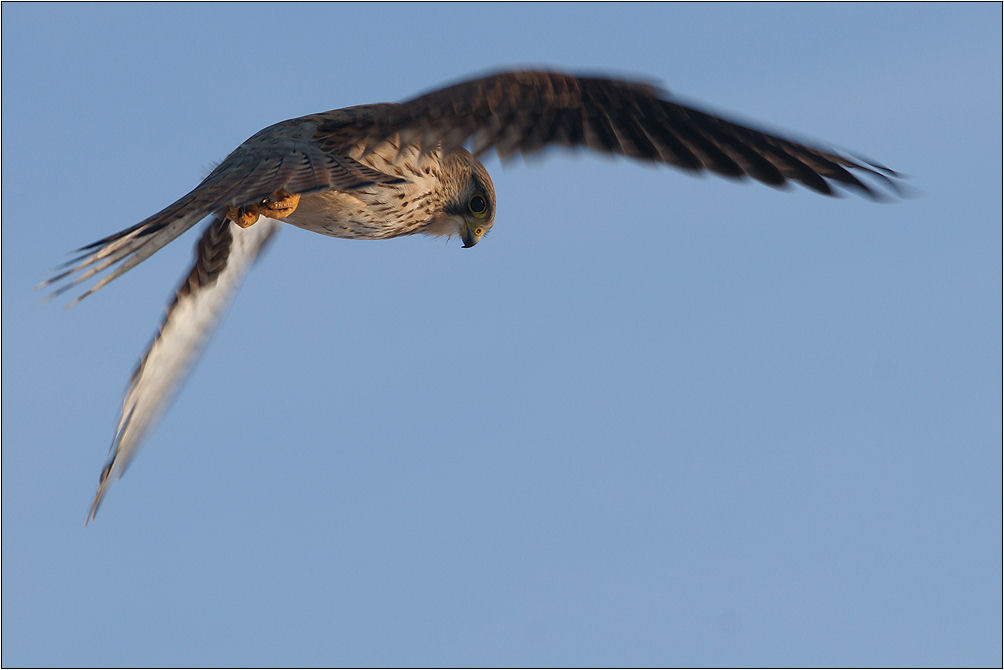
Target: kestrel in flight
[(386, 170)]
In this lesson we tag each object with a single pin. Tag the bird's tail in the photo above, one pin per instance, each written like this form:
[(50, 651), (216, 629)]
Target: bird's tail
[(125, 249)]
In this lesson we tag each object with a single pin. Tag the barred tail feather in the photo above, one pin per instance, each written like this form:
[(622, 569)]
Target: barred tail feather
[(127, 248)]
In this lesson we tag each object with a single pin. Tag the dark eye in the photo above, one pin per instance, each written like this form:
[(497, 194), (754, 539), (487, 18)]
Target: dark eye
[(478, 205)]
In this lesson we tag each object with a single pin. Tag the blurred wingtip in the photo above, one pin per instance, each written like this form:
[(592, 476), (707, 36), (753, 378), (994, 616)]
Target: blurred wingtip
[(93, 511), (104, 481)]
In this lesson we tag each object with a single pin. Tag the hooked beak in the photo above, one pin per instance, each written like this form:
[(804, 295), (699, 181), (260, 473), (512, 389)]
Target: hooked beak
[(468, 237)]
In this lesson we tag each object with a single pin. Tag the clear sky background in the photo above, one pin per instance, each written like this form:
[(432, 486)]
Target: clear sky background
[(650, 420)]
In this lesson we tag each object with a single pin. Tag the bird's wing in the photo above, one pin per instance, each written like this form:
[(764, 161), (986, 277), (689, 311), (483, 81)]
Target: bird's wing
[(222, 258), (527, 111), (280, 157)]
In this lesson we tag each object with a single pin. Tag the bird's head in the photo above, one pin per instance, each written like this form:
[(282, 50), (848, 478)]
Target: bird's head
[(471, 197)]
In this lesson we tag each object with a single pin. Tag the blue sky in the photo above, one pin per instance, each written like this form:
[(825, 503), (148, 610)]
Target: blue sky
[(651, 420)]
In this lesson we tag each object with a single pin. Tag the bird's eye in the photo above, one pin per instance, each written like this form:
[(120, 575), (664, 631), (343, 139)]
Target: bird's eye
[(478, 205)]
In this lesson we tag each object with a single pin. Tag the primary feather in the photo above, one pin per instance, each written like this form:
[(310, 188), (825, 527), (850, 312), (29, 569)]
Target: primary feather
[(223, 256)]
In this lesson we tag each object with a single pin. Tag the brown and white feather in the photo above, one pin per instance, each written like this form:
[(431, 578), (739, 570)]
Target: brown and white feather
[(223, 256)]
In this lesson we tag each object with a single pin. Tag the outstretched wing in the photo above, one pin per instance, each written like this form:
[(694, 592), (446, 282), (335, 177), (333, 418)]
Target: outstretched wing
[(280, 157), (527, 111), (222, 258)]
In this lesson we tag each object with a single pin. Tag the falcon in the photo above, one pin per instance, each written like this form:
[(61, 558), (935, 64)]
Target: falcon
[(386, 170)]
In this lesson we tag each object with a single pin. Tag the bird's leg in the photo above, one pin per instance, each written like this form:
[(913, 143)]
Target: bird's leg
[(279, 205)]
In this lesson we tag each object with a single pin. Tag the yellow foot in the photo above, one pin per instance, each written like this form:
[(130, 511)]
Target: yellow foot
[(243, 216), (279, 205)]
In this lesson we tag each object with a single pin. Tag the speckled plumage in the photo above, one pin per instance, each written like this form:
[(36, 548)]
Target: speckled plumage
[(416, 204)]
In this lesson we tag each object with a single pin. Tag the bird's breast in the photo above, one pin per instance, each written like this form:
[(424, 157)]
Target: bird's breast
[(380, 211)]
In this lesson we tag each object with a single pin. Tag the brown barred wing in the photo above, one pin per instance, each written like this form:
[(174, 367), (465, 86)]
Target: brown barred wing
[(223, 256), (527, 111)]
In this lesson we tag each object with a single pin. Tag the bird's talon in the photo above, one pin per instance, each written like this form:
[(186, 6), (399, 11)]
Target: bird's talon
[(244, 217), (281, 204)]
